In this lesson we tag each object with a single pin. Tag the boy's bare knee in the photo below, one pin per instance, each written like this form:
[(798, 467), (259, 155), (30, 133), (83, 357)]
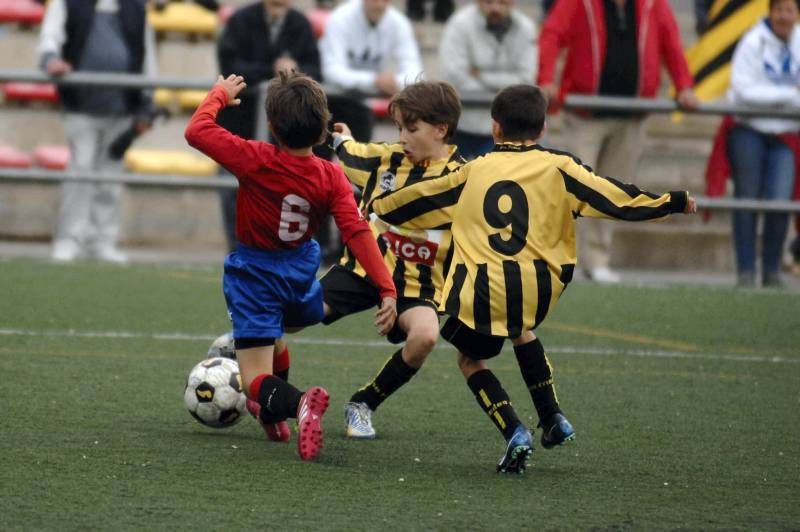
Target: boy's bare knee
[(424, 340)]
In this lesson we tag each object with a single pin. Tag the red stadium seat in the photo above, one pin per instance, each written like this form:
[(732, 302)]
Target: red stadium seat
[(52, 157), (25, 12), (379, 106), (10, 157), (318, 19), (30, 92)]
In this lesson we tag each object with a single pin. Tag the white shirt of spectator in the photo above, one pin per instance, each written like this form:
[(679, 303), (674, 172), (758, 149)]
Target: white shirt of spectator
[(765, 71), (353, 51)]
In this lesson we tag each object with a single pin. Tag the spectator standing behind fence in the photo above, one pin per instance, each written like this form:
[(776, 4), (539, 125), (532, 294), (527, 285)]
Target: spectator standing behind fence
[(260, 40), (103, 36), (765, 71), (485, 47), (368, 46), (614, 48)]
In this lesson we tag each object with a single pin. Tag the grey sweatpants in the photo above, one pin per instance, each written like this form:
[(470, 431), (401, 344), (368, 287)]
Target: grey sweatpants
[(89, 212)]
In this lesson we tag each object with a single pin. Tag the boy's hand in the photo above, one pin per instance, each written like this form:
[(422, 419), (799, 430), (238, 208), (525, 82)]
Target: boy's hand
[(233, 85), (340, 128), (386, 315), (691, 206)]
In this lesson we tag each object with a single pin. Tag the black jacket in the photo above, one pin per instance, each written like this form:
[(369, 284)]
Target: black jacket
[(80, 14), (244, 48)]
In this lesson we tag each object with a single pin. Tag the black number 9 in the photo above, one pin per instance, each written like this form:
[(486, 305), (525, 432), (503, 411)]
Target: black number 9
[(516, 216)]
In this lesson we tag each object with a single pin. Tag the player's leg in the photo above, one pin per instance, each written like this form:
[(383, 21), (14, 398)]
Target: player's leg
[(259, 288), (278, 430), (473, 350), (280, 400), (419, 324), (538, 376), (72, 222)]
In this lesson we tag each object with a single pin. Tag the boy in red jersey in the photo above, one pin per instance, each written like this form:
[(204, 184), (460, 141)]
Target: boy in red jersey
[(269, 282)]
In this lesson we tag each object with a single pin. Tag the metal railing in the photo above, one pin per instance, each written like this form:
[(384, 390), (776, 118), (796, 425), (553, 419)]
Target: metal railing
[(471, 99)]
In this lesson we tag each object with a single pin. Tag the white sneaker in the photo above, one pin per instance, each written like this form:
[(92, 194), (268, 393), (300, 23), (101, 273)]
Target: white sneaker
[(111, 254), (65, 250), (604, 275), (358, 421)]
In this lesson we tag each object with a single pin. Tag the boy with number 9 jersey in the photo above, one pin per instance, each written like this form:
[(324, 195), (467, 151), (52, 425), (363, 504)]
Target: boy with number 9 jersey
[(512, 216)]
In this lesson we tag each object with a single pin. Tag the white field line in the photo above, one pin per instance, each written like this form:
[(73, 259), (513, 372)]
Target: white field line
[(333, 341)]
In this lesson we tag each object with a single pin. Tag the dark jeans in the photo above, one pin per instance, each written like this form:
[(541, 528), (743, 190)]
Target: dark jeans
[(763, 168), (442, 9)]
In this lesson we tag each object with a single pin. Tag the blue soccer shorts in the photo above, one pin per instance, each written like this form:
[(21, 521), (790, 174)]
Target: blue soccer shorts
[(267, 291)]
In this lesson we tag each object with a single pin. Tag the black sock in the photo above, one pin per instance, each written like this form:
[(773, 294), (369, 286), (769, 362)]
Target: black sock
[(538, 376), (389, 379), (278, 399), (494, 401)]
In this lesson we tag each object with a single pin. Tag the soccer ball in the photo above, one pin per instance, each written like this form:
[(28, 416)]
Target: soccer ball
[(213, 393), (223, 347)]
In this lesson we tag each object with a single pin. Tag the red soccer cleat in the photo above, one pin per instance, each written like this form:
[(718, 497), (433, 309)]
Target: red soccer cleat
[(279, 431), (309, 420)]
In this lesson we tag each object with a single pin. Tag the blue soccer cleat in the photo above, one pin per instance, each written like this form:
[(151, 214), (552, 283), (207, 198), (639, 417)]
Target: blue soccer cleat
[(556, 431), (518, 450)]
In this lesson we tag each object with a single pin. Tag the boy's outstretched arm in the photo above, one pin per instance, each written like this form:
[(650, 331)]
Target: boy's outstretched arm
[(605, 197), (427, 204), (358, 159), (204, 134)]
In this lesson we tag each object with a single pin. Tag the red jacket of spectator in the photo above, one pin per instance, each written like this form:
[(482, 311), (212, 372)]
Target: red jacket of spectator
[(579, 26)]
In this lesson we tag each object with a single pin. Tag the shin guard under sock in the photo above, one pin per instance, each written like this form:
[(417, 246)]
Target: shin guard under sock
[(494, 400), (538, 376), (278, 399), (390, 378)]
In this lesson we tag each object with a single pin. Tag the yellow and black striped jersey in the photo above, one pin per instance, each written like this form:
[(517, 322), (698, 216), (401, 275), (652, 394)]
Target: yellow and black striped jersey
[(513, 215), (416, 259)]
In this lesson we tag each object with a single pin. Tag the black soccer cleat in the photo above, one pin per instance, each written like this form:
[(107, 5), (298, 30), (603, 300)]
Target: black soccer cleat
[(557, 430)]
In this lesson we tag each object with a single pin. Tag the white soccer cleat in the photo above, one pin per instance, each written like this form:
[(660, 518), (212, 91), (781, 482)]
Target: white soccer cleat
[(111, 254), (358, 421)]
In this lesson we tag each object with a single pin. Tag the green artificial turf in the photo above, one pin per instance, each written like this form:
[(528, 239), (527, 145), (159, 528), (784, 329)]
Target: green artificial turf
[(685, 401)]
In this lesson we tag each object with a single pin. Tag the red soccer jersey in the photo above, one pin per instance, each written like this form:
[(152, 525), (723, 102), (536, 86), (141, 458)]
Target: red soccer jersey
[(282, 198)]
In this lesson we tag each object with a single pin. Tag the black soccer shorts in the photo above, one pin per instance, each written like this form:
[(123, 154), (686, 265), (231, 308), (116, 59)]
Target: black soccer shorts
[(347, 293)]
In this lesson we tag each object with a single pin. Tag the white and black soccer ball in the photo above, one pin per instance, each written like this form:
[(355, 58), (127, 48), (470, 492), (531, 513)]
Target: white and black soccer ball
[(214, 393), (223, 347)]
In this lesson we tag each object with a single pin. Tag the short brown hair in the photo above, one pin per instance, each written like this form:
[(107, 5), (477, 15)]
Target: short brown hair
[(434, 102), (520, 112), (297, 110)]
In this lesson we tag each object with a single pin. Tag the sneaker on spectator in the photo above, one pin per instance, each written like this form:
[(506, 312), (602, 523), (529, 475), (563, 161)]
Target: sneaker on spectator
[(603, 274), (111, 254), (65, 250)]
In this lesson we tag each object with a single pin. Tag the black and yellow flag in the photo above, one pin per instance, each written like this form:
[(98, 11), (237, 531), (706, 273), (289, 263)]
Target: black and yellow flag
[(710, 58)]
